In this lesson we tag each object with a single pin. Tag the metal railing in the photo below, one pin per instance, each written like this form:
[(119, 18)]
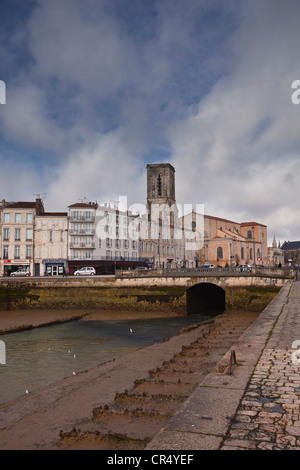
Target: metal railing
[(82, 218), (82, 245), (210, 272)]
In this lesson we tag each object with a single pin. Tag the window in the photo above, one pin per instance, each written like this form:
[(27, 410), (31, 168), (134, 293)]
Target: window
[(249, 234), (220, 252), (5, 252), (6, 234), (251, 253), (75, 241), (28, 252), (88, 254), (242, 253), (76, 254), (17, 252), (88, 215), (108, 242), (29, 234), (159, 185), (87, 241), (108, 254), (51, 236), (76, 228), (6, 218), (17, 234), (29, 218), (18, 218)]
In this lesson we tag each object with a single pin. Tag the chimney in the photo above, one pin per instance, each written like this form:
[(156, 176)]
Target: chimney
[(39, 206)]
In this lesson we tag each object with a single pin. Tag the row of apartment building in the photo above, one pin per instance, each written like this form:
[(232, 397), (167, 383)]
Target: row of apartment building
[(52, 243), (106, 237)]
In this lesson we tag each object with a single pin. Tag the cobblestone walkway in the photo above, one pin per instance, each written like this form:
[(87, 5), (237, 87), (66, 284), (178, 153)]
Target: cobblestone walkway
[(268, 417)]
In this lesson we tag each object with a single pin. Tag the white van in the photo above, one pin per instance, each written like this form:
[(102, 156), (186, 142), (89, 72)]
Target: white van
[(208, 266)]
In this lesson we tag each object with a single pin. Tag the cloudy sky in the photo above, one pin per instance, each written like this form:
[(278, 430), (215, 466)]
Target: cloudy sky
[(96, 89)]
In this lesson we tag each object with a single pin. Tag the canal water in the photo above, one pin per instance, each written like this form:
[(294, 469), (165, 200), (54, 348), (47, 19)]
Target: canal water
[(41, 356)]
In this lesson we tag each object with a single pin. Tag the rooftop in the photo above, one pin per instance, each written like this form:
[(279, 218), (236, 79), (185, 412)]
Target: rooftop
[(291, 245), (21, 205), (93, 205)]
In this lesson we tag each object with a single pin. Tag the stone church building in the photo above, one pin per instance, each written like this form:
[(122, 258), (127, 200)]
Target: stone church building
[(218, 241)]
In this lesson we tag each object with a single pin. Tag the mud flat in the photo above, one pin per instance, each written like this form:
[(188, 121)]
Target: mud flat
[(20, 320), (124, 403)]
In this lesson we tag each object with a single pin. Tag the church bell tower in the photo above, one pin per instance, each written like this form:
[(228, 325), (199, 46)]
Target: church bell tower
[(160, 184)]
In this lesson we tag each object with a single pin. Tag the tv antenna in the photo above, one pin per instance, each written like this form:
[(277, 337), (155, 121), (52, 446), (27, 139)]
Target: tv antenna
[(40, 196)]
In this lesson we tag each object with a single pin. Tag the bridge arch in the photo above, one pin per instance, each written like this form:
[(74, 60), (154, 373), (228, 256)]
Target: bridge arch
[(205, 297)]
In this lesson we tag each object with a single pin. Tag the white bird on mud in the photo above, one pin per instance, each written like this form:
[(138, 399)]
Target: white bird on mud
[(74, 373), (131, 330)]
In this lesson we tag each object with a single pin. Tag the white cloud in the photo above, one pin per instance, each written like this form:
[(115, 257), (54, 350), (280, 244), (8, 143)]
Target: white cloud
[(238, 151), (88, 174), (109, 82)]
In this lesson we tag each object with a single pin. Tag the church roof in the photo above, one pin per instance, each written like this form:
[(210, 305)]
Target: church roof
[(291, 246)]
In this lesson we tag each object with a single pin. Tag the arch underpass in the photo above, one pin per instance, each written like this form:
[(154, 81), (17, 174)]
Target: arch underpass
[(205, 298)]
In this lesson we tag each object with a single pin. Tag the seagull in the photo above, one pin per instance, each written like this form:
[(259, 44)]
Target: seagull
[(27, 391), (131, 330), (74, 356), (74, 373), (69, 352)]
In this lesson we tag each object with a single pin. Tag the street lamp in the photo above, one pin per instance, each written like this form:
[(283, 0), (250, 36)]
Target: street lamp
[(253, 246)]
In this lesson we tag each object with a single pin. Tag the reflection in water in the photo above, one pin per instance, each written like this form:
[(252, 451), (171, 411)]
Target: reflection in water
[(41, 356)]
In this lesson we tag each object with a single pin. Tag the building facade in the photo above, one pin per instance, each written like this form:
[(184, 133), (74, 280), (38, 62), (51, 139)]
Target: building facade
[(51, 242), (117, 234), (17, 230), (291, 253), (276, 254), (82, 239), (229, 244)]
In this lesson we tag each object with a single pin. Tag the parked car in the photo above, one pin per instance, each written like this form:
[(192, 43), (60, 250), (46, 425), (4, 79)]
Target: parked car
[(20, 272), (207, 266), (85, 272), (246, 268), (141, 268)]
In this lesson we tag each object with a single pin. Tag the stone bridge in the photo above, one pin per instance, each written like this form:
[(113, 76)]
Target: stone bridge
[(204, 289)]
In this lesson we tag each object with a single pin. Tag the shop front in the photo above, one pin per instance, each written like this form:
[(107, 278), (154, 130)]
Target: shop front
[(12, 266), (54, 267)]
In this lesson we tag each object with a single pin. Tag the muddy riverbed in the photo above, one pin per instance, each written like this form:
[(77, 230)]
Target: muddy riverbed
[(122, 404)]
